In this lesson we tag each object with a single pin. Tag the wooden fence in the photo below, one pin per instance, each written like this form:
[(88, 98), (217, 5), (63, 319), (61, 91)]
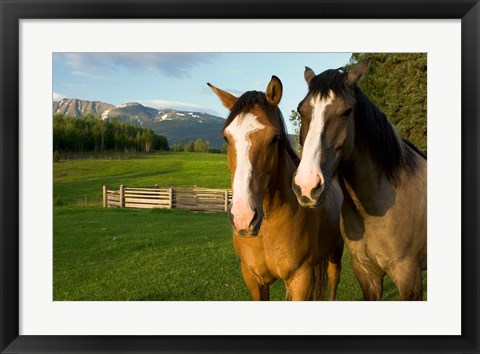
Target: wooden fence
[(198, 199)]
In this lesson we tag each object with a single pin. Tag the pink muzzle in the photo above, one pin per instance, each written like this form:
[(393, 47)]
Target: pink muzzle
[(242, 215)]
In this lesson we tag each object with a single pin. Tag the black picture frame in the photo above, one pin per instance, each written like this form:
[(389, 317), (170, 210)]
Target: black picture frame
[(12, 11)]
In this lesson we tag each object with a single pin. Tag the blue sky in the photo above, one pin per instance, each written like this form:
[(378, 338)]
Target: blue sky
[(178, 80)]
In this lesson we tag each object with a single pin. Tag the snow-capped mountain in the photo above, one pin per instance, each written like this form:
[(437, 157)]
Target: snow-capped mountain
[(177, 126)]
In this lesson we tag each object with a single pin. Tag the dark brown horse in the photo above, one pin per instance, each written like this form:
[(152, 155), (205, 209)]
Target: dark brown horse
[(383, 178), (273, 236)]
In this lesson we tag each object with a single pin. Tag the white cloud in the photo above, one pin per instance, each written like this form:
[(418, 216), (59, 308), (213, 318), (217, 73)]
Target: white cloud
[(58, 96), (170, 64)]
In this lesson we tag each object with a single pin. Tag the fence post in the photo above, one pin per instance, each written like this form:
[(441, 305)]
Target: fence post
[(104, 196), (170, 198), (226, 199), (122, 196)]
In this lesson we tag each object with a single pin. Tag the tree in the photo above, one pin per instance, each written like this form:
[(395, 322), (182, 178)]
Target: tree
[(160, 142), (224, 148), (177, 147), (397, 84), (147, 139), (201, 146), (294, 118), (190, 146)]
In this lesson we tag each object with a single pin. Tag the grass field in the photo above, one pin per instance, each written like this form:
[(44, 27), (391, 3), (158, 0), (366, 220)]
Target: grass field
[(79, 182), (129, 254)]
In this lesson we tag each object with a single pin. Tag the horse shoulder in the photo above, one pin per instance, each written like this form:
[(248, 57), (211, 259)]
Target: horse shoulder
[(249, 249), (411, 210)]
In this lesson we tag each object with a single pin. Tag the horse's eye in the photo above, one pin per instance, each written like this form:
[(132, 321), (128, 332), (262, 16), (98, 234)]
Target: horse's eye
[(347, 113), (225, 138)]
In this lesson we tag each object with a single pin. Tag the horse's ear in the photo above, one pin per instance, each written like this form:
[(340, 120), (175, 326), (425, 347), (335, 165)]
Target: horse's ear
[(308, 74), (274, 91), (228, 100), (356, 73)]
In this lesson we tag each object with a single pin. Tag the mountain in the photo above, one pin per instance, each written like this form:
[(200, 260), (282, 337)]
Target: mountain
[(177, 126), (80, 108)]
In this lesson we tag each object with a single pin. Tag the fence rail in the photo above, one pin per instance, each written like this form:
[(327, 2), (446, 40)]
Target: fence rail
[(197, 199)]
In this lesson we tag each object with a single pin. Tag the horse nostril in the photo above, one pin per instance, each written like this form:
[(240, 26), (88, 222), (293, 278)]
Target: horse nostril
[(304, 200), (242, 232), (296, 188), (316, 191)]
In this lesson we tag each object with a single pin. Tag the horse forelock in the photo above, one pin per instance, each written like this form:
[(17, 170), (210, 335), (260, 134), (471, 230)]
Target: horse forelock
[(332, 80), (247, 103)]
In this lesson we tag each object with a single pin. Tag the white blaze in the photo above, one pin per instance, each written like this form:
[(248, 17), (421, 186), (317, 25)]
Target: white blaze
[(309, 173), (240, 130)]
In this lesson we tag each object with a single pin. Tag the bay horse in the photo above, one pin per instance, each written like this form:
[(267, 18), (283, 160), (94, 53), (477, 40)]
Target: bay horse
[(273, 236), (383, 178)]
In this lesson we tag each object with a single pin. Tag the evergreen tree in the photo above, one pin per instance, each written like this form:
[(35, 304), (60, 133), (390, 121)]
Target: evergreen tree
[(397, 84), (160, 142)]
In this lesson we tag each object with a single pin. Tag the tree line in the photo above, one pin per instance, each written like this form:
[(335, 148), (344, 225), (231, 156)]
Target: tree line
[(198, 145), (93, 134)]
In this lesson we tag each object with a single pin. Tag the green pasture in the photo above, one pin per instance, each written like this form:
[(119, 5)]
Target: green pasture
[(79, 182), (140, 255), (129, 254)]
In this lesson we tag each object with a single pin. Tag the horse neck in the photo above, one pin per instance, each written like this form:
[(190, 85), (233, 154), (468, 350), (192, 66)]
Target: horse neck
[(364, 183), (279, 193), (374, 168), (359, 170)]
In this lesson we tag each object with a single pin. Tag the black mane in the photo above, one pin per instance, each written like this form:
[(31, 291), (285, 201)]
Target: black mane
[(245, 104), (373, 131)]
